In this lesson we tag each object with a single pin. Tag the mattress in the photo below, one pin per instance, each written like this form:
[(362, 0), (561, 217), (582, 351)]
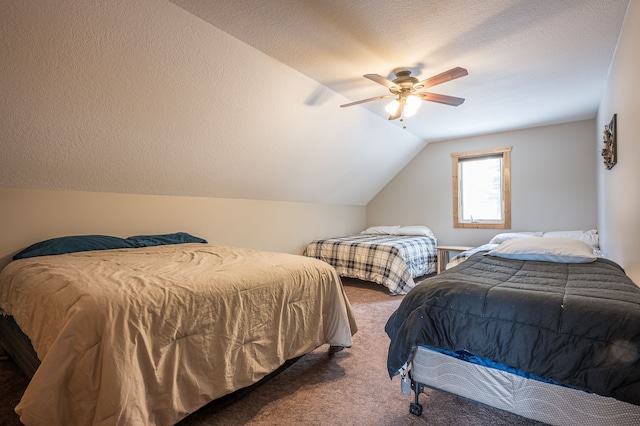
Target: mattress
[(149, 335)]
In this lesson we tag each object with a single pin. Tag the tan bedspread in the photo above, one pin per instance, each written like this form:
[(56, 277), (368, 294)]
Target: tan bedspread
[(147, 336)]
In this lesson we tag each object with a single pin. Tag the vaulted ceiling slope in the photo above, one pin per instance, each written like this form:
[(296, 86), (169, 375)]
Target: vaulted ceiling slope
[(530, 63), (144, 97), (240, 99)]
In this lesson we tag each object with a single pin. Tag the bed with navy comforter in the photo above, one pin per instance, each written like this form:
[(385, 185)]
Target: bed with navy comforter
[(575, 324)]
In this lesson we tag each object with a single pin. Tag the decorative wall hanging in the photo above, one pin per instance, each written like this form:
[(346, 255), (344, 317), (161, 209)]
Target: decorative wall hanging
[(609, 152)]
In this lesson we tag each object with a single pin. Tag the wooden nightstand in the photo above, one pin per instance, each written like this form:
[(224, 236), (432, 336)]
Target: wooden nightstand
[(445, 251)]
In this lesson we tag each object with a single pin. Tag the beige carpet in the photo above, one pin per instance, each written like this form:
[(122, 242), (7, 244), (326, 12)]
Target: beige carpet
[(349, 388)]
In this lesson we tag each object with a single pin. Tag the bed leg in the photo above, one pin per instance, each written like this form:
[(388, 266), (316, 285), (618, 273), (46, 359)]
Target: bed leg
[(3, 354), (335, 349), (415, 407)]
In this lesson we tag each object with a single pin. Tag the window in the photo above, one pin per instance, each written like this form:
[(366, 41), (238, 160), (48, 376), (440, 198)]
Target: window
[(482, 189)]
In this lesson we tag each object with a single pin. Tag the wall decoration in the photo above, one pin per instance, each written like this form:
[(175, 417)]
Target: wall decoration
[(610, 152)]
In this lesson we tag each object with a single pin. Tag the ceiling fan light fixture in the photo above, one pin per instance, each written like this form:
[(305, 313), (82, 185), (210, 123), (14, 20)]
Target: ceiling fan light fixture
[(392, 107), (413, 102)]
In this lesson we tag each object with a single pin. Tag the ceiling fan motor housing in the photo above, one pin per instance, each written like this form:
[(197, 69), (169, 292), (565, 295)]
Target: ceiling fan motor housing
[(404, 81)]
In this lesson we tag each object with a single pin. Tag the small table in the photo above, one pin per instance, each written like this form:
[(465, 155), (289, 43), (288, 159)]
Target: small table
[(445, 251)]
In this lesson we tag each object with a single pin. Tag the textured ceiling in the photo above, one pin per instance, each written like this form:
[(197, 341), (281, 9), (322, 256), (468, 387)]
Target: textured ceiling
[(240, 98), (146, 98), (530, 63)]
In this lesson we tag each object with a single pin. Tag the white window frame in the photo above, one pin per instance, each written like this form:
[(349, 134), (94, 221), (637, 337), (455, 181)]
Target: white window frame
[(505, 153)]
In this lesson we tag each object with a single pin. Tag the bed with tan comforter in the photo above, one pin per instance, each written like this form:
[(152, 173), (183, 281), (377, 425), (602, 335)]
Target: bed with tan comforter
[(148, 335)]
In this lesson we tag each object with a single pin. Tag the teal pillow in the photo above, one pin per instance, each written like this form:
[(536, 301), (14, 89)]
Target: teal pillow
[(73, 244), (164, 239)]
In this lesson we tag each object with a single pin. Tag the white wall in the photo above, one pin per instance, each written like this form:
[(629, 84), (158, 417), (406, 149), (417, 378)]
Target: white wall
[(618, 193), (101, 101), (553, 184), (28, 216)]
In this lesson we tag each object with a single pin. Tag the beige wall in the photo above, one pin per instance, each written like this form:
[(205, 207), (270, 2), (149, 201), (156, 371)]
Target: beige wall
[(28, 216), (553, 184), (618, 193)]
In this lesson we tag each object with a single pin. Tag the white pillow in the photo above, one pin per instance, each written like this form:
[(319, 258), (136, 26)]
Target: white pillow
[(381, 230), (559, 250), (590, 237), (506, 236), (415, 230)]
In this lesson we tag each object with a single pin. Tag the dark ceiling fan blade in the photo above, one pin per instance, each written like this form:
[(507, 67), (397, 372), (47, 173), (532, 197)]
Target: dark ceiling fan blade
[(442, 99), (366, 100), (452, 74), (381, 80)]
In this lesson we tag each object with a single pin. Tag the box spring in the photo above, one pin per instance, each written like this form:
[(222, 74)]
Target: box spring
[(533, 399), (18, 346)]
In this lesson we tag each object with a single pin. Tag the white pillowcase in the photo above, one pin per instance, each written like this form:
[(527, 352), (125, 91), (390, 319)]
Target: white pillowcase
[(399, 230), (415, 230), (590, 237), (506, 236), (381, 230), (559, 250)]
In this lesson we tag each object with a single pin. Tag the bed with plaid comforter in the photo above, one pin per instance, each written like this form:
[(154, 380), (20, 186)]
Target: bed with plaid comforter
[(390, 260)]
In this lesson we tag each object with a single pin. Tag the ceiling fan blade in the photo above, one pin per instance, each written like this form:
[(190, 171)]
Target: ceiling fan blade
[(381, 80), (452, 74), (365, 100), (442, 99)]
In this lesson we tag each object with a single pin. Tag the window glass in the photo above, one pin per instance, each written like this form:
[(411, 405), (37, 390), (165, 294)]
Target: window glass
[(482, 189)]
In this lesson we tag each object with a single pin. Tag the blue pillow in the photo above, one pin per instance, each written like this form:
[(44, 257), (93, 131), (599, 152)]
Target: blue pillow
[(164, 239), (74, 244)]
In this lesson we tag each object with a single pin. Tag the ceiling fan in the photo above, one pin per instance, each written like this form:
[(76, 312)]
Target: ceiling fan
[(406, 90)]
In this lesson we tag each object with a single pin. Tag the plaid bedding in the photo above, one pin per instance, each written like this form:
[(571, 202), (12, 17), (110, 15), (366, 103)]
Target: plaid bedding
[(391, 260)]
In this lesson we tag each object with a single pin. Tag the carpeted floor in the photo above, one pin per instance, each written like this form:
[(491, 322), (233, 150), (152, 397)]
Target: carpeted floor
[(350, 388)]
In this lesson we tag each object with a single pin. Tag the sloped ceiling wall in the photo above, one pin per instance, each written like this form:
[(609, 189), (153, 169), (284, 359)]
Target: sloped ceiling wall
[(144, 97), (530, 63)]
